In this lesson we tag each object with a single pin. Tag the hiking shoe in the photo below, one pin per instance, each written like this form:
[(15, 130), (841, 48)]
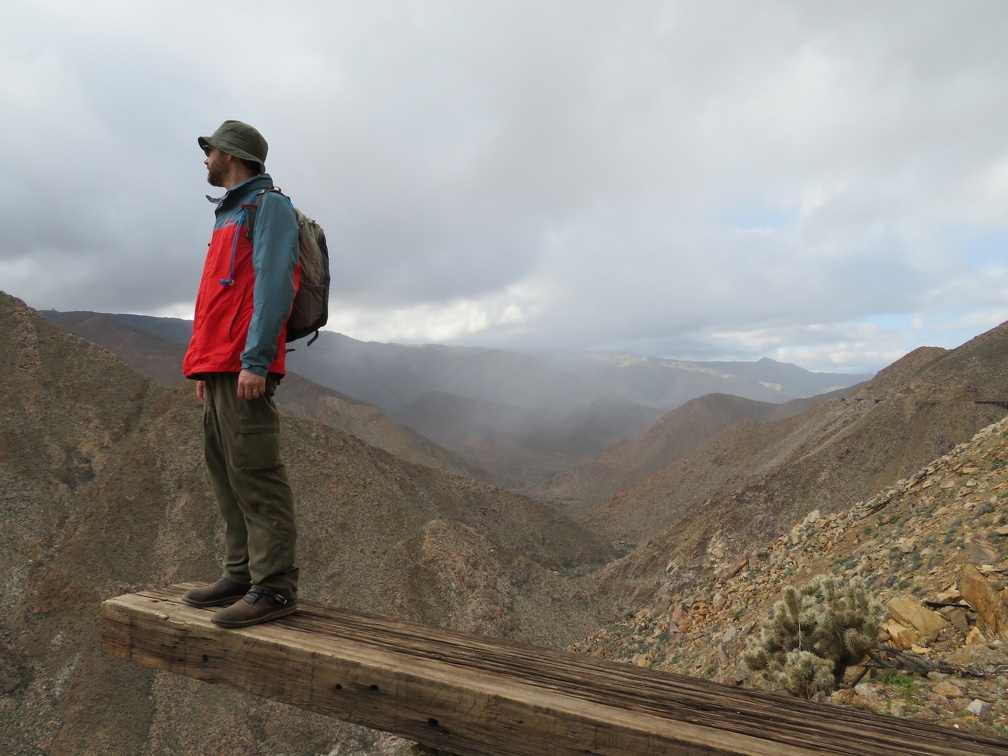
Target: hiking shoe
[(222, 592), (258, 605)]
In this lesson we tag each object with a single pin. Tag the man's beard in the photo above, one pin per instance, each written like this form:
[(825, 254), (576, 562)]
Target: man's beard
[(215, 175)]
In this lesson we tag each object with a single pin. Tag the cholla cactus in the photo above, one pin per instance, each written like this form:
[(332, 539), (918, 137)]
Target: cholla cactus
[(813, 635)]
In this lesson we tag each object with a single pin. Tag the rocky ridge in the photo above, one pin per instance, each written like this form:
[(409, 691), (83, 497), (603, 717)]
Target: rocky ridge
[(932, 547), (674, 436), (159, 357)]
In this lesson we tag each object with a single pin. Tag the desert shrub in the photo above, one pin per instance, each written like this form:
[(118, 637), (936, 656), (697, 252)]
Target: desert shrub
[(813, 635)]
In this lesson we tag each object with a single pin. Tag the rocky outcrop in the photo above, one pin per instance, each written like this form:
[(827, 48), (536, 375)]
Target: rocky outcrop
[(989, 602), (911, 623)]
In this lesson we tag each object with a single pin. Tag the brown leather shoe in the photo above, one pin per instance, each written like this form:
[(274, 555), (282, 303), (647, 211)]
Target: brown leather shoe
[(222, 592), (258, 605)]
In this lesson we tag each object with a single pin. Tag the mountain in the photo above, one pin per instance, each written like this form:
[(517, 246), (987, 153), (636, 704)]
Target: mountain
[(748, 482), (155, 347), (104, 491), (674, 436), (577, 404), (151, 346), (516, 418), (940, 535)]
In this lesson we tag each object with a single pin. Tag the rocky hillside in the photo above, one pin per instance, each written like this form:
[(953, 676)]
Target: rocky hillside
[(302, 398), (102, 474), (521, 416), (933, 547), (151, 346), (748, 483), (673, 437), (104, 491)]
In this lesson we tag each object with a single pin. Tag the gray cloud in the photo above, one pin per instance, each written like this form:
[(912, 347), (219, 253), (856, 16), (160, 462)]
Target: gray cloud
[(804, 181)]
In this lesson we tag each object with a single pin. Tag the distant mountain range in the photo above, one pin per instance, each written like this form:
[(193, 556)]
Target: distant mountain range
[(514, 418)]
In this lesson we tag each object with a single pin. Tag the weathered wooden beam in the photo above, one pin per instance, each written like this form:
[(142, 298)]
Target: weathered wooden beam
[(469, 694)]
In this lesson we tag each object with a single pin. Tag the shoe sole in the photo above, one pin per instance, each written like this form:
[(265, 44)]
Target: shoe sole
[(226, 601), (257, 620)]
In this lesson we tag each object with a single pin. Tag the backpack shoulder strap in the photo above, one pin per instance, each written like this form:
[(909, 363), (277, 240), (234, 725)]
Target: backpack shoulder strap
[(252, 209)]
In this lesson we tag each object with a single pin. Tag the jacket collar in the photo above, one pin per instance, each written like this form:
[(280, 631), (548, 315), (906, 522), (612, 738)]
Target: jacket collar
[(243, 190)]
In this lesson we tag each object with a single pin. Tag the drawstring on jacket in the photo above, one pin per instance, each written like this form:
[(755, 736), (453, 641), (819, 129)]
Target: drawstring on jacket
[(229, 281)]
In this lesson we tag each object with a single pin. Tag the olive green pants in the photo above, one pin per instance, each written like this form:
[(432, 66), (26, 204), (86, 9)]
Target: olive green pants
[(241, 443)]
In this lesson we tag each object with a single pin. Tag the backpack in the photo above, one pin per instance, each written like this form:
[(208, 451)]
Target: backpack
[(310, 310)]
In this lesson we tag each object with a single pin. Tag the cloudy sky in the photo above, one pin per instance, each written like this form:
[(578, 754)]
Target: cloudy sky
[(822, 183)]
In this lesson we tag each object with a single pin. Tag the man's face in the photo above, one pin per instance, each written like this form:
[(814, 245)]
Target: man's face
[(217, 167)]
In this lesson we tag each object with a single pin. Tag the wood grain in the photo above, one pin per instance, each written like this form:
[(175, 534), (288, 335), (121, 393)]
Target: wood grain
[(469, 694)]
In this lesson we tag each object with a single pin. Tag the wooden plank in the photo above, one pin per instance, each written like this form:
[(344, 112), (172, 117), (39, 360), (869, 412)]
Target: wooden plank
[(469, 694)]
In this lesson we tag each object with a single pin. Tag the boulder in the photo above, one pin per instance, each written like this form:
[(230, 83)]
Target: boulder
[(909, 611), (991, 606), (903, 637), (680, 613), (947, 689), (950, 595), (980, 550), (979, 708), (974, 637)]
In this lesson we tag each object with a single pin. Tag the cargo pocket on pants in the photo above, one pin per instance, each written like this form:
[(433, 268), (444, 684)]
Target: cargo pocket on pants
[(258, 443)]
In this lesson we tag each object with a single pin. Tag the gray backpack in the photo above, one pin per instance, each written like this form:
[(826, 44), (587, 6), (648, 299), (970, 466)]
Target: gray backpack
[(311, 303)]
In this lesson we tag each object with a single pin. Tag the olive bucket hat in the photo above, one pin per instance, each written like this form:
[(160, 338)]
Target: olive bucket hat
[(238, 139)]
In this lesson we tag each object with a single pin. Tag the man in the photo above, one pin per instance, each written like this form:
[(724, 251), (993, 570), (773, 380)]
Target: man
[(236, 357)]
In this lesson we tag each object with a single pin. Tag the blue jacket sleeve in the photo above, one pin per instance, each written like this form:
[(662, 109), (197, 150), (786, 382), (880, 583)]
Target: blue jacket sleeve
[(274, 258)]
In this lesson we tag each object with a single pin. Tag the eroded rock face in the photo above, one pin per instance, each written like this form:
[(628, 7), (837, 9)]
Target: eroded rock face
[(991, 606)]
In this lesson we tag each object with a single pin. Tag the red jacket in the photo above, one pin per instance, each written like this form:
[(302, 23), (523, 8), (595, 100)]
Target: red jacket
[(245, 295)]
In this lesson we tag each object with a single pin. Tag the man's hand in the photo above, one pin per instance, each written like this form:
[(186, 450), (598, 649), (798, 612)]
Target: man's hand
[(200, 390), (250, 385)]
